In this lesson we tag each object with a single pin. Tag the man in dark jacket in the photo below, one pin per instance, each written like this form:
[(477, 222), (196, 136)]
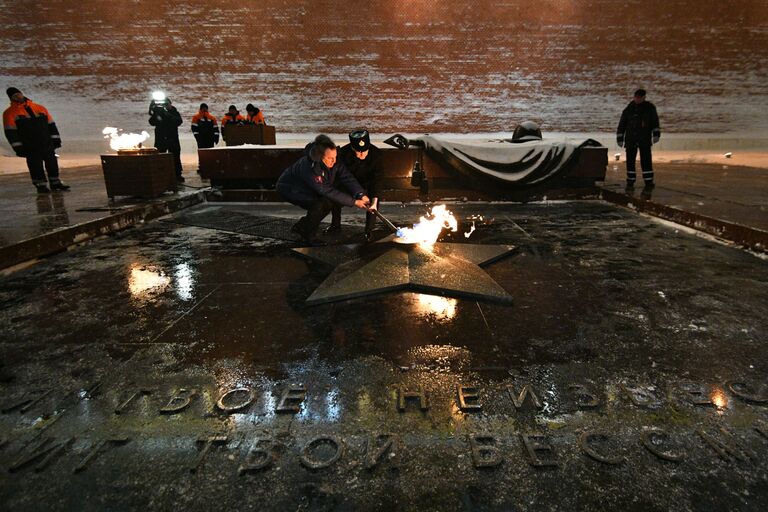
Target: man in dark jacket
[(639, 129), (311, 183), (166, 120), (33, 135), (205, 128), (363, 160)]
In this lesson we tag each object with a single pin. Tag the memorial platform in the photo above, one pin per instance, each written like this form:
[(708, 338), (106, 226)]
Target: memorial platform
[(181, 365)]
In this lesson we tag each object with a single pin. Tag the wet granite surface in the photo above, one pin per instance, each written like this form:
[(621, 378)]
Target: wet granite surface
[(628, 373)]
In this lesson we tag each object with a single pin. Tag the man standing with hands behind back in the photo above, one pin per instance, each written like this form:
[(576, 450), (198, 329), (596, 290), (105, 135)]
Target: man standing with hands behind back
[(639, 129), (33, 135)]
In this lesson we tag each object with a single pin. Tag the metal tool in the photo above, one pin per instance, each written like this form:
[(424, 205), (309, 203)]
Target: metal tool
[(384, 219)]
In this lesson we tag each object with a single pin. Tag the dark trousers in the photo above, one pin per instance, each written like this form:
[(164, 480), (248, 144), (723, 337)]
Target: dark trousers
[(646, 163), (175, 150), (35, 163), (370, 218), (317, 210)]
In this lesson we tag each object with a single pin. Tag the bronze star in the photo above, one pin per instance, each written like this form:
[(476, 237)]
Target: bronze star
[(447, 269)]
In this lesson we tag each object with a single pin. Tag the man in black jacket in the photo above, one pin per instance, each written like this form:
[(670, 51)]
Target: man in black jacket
[(363, 160), (166, 120), (639, 129), (311, 183)]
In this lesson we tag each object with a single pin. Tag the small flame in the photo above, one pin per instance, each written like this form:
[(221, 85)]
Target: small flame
[(118, 141), (472, 230), (429, 227)]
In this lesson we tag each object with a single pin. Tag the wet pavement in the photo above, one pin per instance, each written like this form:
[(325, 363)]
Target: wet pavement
[(180, 366), (85, 210), (730, 193)]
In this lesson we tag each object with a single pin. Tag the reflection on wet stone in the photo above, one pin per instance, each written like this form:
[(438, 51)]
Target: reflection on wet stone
[(236, 400)]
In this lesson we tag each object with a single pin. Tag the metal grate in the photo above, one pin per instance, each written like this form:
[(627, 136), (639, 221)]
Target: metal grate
[(266, 226)]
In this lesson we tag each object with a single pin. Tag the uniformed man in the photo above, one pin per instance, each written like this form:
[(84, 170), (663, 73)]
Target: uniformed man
[(639, 129), (253, 115), (205, 128), (33, 135), (317, 182), (363, 160), (232, 117)]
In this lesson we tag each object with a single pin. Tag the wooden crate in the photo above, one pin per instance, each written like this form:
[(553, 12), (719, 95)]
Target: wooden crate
[(141, 175), (237, 135)]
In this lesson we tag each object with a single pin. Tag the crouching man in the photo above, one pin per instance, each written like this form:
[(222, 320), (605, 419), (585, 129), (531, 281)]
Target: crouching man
[(317, 182)]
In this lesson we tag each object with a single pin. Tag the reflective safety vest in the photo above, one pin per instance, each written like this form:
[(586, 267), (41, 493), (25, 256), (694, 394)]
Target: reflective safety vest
[(205, 129), (29, 128)]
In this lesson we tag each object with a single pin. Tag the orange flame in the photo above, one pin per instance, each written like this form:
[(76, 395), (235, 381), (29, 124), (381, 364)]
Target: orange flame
[(429, 227)]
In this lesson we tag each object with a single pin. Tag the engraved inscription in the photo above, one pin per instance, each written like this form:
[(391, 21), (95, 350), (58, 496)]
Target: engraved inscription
[(380, 445), (526, 395), (208, 443), (485, 453), (260, 456), (469, 398), (655, 442), (292, 399), (405, 395), (236, 400), (585, 398), (314, 454), (586, 443), (180, 401), (540, 451)]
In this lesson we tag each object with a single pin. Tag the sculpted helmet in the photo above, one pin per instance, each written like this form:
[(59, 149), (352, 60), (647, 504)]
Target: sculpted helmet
[(526, 131)]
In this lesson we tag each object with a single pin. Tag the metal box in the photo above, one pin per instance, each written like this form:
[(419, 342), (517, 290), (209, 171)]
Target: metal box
[(237, 135), (138, 173)]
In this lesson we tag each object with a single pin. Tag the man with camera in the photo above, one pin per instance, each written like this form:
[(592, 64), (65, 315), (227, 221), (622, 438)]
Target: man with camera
[(166, 120)]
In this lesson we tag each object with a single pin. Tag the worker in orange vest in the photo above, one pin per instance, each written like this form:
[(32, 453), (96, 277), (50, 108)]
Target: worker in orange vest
[(205, 128), (254, 115), (33, 135)]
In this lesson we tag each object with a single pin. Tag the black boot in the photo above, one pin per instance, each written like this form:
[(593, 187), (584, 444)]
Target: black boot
[(58, 185)]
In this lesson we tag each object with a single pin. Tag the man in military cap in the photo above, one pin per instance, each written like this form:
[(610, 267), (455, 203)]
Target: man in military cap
[(363, 160)]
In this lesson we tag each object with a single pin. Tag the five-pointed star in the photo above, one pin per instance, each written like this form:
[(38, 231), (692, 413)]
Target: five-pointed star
[(443, 269)]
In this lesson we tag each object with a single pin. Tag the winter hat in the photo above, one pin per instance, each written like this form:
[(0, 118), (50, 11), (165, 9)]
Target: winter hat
[(360, 140), (11, 91)]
